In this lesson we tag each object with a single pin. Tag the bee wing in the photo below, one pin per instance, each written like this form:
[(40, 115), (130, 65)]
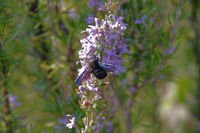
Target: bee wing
[(108, 67), (84, 76)]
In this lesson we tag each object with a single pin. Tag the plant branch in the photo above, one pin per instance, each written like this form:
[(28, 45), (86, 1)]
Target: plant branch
[(7, 109), (166, 57)]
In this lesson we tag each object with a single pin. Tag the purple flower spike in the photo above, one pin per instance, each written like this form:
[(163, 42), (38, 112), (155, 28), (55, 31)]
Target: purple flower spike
[(101, 6), (93, 3), (107, 37), (90, 19), (104, 40), (137, 21), (103, 46), (142, 20)]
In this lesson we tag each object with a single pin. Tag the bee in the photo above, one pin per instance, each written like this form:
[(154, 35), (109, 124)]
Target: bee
[(95, 67)]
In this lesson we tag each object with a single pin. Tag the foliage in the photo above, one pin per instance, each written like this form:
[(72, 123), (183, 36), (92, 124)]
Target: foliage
[(154, 90)]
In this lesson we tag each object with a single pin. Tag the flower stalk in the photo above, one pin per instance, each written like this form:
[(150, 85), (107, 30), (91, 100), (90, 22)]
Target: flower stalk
[(103, 40)]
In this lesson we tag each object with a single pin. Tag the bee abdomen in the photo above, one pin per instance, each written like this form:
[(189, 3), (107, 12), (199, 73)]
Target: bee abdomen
[(100, 73)]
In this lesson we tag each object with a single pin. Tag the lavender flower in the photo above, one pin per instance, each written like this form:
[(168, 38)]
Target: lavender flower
[(103, 39), (71, 122), (138, 21), (90, 19), (142, 20), (13, 99), (101, 6), (97, 3), (108, 36), (93, 3)]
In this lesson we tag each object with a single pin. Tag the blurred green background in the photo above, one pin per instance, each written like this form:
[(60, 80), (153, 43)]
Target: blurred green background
[(41, 40)]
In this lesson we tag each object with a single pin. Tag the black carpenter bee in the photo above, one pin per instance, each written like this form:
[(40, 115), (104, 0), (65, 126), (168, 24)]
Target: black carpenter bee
[(98, 69)]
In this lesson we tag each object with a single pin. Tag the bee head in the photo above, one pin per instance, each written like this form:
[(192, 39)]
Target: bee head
[(93, 62)]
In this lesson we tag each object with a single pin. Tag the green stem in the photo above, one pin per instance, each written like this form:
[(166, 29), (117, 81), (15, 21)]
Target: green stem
[(7, 109), (196, 46)]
